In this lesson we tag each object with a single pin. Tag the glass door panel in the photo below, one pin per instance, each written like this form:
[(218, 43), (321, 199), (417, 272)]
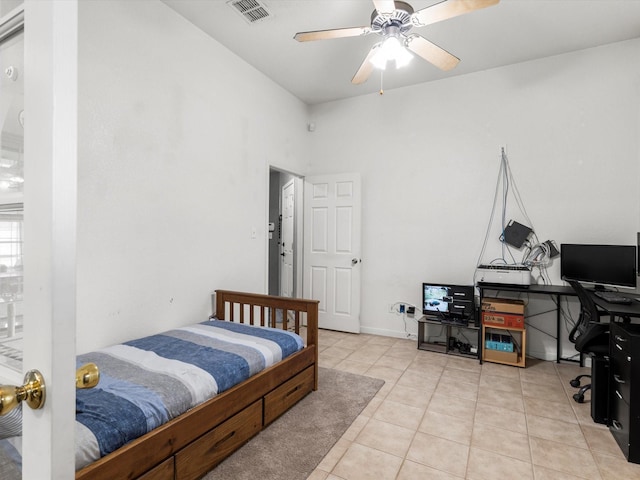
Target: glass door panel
[(11, 191), (11, 222), (11, 319)]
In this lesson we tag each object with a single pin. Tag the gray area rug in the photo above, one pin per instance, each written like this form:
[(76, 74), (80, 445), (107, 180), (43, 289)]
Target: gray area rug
[(292, 446)]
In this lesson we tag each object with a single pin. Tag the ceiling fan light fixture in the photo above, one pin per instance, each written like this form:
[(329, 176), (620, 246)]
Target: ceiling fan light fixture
[(393, 21), (391, 49), (379, 58), (403, 57)]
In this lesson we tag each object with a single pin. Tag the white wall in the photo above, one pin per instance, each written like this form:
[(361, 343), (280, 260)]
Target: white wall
[(429, 158), (176, 138), (177, 135)]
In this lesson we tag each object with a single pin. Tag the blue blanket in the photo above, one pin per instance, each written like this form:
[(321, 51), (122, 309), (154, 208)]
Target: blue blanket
[(146, 382)]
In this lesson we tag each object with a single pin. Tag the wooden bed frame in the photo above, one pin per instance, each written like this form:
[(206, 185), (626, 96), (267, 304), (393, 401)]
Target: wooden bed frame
[(190, 445)]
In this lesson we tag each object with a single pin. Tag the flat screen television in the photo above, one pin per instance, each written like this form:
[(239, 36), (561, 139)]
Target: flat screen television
[(600, 265), (435, 298), (448, 301)]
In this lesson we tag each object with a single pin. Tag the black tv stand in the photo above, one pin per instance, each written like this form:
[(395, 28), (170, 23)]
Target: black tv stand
[(455, 321), (451, 331)]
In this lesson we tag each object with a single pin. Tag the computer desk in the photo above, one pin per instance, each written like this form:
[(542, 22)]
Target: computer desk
[(553, 291), (614, 310), (557, 291)]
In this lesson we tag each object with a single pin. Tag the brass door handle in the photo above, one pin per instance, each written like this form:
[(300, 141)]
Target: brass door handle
[(87, 376), (33, 392)]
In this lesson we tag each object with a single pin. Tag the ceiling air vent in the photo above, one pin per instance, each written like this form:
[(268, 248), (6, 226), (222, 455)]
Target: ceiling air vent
[(251, 10)]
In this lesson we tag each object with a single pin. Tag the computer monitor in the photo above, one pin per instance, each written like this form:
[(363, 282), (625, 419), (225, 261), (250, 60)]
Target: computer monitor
[(600, 265), (435, 298)]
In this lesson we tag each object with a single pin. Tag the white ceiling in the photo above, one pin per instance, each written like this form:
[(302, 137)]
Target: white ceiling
[(512, 31)]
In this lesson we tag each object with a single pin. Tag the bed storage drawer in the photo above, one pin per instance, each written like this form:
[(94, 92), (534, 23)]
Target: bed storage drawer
[(164, 471), (282, 398), (207, 451)]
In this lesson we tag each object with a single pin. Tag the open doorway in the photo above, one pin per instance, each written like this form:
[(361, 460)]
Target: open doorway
[(285, 234)]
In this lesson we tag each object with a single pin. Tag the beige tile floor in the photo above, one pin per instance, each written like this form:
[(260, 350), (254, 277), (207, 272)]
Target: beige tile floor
[(447, 417)]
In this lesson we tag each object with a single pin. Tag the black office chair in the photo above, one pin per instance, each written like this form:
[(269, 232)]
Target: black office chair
[(589, 335)]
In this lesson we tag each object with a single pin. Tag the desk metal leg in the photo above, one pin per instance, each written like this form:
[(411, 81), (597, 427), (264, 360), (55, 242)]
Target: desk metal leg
[(558, 331), (480, 339), (479, 323)]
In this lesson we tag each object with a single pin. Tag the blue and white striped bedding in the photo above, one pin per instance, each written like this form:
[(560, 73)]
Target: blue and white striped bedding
[(146, 382)]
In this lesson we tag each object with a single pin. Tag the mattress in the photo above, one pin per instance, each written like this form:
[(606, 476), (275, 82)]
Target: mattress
[(147, 382)]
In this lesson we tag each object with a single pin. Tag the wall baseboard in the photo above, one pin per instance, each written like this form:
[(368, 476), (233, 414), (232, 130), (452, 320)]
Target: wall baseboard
[(389, 333), (548, 355), (543, 355)]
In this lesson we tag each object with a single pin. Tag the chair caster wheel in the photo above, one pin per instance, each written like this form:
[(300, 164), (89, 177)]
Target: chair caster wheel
[(578, 398), (574, 383)]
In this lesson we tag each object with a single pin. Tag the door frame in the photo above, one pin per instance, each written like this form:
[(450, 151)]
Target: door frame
[(298, 228), (283, 247)]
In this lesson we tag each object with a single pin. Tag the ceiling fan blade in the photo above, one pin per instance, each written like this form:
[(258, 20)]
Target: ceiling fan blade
[(336, 33), (431, 52), (366, 68), (384, 6), (449, 9)]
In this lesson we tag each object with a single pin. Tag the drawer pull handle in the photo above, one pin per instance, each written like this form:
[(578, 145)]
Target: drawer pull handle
[(618, 346), (620, 339), (293, 390), (618, 394), (617, 378), (227, 437), (616, 424)]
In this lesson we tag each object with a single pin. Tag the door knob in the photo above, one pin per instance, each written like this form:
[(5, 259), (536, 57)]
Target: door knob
[(87, 376), (33, 392), (355, 261)]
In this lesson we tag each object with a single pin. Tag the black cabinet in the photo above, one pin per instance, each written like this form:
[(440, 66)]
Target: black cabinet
[(624, 391)]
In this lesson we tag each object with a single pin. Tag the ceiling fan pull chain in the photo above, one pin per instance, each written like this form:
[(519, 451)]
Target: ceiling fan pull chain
[(381, 80)]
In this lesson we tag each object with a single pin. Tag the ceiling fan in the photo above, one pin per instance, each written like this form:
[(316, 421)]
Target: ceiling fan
[(393, 21)]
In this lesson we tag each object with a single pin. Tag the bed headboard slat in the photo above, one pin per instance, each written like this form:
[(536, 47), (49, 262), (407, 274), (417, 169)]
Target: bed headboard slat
[(303, 309)]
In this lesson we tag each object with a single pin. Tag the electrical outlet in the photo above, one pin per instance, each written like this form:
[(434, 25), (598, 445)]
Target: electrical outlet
[(401, 308), (503, 149)]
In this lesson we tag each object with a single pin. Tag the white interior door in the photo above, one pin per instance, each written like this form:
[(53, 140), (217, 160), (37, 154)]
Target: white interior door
[(332, 259), (287, 243), (50, 166)]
